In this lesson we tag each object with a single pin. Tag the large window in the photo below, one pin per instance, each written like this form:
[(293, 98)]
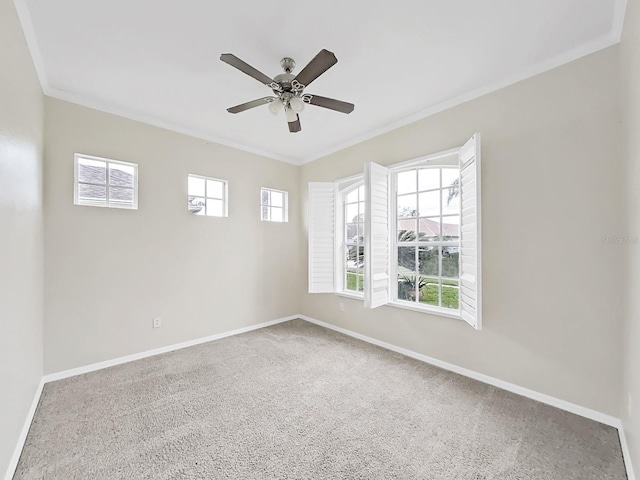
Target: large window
[(207, 196), (353, 205), (100, 182), (408, 235), (427, 236)]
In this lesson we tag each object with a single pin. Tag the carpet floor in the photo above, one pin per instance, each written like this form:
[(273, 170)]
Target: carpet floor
[(297, 401)]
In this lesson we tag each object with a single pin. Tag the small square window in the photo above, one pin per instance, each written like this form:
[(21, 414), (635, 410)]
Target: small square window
[(274, 205), (100, 182), (207, 196)]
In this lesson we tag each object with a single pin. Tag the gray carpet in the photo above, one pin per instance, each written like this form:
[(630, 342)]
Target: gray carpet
[(296, 401)]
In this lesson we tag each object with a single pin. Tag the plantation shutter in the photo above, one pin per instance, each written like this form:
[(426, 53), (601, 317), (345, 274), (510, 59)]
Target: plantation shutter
[(321, 237), (376, 236), (470, 234)]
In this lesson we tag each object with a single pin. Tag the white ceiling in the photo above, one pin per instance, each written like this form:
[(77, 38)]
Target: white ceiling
[(158, 61)]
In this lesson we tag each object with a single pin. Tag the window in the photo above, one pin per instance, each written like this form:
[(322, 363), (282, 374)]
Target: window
[(100, 182), (412, 231), (275, 205), (353, 205), (427, 235), (207, 196)]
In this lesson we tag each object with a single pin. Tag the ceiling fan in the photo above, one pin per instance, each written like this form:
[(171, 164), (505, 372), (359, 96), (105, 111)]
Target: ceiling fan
[(288, 89)]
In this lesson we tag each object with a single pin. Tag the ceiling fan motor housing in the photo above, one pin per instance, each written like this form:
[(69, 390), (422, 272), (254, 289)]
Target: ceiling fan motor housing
[(284, 81)]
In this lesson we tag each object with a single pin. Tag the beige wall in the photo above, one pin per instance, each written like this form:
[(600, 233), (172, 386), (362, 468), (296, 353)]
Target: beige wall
[(108, 272), (630, 61), (553, 188), (21, 124)]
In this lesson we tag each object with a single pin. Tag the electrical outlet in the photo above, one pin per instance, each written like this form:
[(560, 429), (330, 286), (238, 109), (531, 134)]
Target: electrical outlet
[(341, 307), (157, 322)]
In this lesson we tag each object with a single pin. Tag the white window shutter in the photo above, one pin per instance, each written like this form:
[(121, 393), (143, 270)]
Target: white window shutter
[(470, 234), (322, 199), (376, 236)]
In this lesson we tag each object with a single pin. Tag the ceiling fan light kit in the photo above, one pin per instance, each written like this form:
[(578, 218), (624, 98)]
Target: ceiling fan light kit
[(289, 89)]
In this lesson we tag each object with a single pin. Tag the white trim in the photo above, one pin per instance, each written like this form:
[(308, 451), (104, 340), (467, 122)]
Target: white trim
[(285, 204), (619, 12), (157, 122), (13, 462), (431, 160), (424, 308), (224, 199), (24, 15), (344, 186), (407, 306), (343, 183), (348, 294), (107, 184), (510, 387), (52, 377), (626, 454)]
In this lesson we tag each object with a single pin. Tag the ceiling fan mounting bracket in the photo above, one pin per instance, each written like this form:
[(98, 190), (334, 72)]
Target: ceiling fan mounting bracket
[(288, 64)]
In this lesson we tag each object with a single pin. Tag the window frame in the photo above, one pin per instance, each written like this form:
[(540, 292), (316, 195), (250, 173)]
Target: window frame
[(436, 160), (225, 196), (343, 188), (107, 185), (326, 229), (344, 184), (285, 205)]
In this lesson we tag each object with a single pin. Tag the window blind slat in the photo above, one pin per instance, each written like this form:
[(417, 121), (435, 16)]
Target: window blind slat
[(470, 234), (376, 243), (321, 237)]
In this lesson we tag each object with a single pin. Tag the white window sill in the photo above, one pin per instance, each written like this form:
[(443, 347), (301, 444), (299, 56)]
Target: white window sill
[(351, 295), (441, 312), (101, 205)]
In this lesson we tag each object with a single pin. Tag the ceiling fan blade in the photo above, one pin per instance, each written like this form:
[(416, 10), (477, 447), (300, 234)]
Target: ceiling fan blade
[(246, 68), (330, 103), (252, 104), (322, 62), (295, 127)]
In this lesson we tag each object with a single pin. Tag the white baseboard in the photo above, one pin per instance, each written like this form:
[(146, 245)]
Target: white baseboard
[(157, 351), (13, 463), (626, 454), (525, 392)]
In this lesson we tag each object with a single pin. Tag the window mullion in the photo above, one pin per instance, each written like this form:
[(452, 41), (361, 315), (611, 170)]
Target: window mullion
[(358, 254), (416, 269), (91, 183), (393, 240), (417, 243), (108, 183), (440, 247), (206, 197)]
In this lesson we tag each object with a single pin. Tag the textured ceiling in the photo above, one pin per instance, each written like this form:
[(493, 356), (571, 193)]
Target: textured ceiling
[(397, 61)]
